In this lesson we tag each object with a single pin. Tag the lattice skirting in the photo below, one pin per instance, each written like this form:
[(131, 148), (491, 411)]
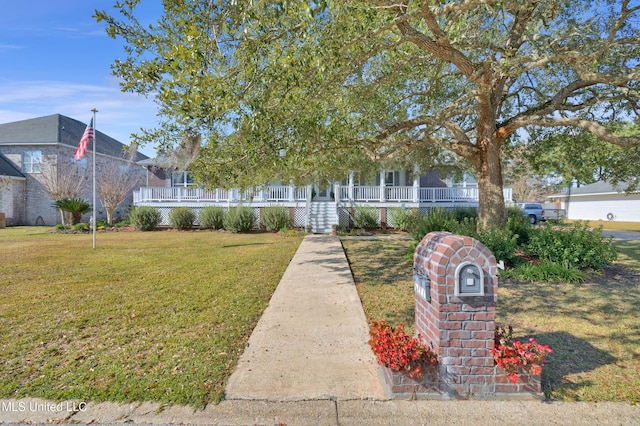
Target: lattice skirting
[(297, 213)]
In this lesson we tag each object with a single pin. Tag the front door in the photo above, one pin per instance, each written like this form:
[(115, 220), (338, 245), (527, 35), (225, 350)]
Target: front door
[(323, 192)]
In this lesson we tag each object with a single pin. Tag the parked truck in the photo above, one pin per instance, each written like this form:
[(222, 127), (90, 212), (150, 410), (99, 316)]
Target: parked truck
[(533, 211)]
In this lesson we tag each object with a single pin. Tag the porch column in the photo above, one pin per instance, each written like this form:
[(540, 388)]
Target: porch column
[(416, 183), (292, 193), (350, 190), (383, 187)]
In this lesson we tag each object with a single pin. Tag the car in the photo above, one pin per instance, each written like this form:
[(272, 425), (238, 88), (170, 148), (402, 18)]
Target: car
[(533, 211)]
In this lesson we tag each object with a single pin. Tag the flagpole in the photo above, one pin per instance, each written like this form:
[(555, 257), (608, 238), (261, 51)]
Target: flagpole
[(95, 134)]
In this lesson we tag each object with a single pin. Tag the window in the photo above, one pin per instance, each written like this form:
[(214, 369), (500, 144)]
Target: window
[(392, 178), (181, 179), (32, 162)]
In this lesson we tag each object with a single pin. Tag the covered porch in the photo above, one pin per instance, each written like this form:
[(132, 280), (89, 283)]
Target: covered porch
[(292, 194)]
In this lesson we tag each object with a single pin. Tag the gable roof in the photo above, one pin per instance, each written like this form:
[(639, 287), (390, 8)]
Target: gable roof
[(8, 169), (58, 129), (596, 188)]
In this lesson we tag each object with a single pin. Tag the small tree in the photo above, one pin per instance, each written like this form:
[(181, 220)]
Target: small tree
[(76, 207), (63, 180), (116, 180)]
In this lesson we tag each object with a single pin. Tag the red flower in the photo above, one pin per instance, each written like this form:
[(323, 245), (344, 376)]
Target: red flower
[(402, 353), (514, 355)]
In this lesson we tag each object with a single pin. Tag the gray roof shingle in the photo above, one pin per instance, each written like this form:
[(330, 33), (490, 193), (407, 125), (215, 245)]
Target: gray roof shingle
[(57, 128), (8, 169)]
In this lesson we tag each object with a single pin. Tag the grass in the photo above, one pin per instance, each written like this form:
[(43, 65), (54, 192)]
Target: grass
[(154, 316), (593, 327), (611, 225)]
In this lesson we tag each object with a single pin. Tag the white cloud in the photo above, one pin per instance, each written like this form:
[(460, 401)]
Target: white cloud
[(120, 114)]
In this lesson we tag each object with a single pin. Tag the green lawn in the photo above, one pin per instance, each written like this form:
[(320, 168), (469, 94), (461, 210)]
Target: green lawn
[(155, 316), (593, 327)]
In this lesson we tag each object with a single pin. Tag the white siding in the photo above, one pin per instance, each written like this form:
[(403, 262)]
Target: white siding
[(625, 208)]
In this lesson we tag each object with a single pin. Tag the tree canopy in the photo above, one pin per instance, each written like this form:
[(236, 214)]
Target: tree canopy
[(308, 90)]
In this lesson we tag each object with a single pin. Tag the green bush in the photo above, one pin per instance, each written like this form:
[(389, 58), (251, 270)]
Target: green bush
[(275, 218), (438, 219), (459, 214), (182, 218), (518, 224), (239, 219), (574, 246), (145, 218), (80, 227), (365, 217), (211, 217), (501, 241), (402, 218), (544, 272)]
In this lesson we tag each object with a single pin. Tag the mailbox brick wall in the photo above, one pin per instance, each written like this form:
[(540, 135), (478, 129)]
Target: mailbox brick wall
[(459, 328)]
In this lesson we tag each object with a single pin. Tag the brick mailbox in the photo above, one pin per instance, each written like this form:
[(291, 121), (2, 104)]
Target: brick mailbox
[(456, 284)]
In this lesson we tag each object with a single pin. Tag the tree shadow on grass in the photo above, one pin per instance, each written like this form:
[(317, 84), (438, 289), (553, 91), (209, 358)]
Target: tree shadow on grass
[(571, 355)]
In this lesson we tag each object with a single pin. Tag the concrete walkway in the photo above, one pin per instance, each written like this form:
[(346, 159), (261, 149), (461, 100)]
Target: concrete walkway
[(308, 363), (311, 342)]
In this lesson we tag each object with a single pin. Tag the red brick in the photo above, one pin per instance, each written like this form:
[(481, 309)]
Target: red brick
[(474, 344), (481, 371), (458, 316), (459, 334), (474, 325), (482, 335), (483, 316), (478, 362), (451, 325), (459, 352), (459, 370), (506, 388)]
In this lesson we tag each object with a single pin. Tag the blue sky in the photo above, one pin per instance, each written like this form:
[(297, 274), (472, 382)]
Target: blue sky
[(55, 58)]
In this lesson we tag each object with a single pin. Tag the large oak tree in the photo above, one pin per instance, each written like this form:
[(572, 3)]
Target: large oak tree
[(307, 90)]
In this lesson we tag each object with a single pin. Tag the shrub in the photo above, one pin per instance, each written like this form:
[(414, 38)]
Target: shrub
[(544, 272), (275, 218), (211, 217), (502, 242), (239, 219), (398, 351), (518, 224), (145, 218), (365, 217), (460, 214), (576, 245), (75, 207), (438, 219), (402, 218), (182, 218), (80, 227)]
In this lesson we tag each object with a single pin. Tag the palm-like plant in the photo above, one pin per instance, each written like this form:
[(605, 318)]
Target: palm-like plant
[(75, 207)]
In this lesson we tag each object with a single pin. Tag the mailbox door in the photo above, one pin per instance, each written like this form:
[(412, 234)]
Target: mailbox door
[(469, 280)]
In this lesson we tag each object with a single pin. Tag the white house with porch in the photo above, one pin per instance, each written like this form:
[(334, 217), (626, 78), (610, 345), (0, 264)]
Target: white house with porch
[(320, 206)]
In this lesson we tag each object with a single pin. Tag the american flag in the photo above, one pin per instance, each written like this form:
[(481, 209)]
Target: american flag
[(84, 142)]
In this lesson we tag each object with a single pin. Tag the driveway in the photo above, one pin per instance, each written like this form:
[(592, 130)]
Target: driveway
[(622, 235)]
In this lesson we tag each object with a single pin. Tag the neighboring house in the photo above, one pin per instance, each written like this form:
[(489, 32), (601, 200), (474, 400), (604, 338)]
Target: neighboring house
[(599, 201), (12, 192), (320, 206), (38, 151)]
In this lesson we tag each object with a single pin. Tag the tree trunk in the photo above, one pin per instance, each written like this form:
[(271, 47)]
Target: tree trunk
[(491, 208)]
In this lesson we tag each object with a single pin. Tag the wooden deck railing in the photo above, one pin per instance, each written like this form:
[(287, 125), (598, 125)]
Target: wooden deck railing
[(281, 193)]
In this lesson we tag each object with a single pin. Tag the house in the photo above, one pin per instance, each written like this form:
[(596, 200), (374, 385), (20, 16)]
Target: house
[(599, 201), (321, 206), (37, 154)]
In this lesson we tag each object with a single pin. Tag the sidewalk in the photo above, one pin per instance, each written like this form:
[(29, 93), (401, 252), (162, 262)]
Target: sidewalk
[(311, 342), (308, 363)]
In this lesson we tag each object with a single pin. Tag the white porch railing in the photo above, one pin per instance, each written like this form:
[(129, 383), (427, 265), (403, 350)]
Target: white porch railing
[(282, 193)]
